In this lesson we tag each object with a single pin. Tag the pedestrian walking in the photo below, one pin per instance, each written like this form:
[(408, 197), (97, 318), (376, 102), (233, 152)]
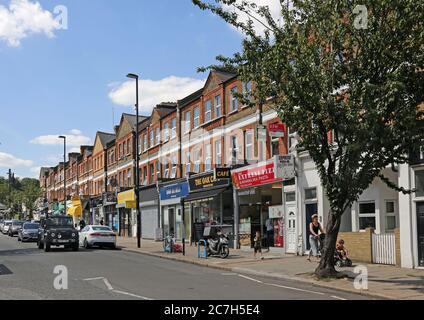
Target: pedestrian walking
[(315, 229), (82, 224), (257, 244), (101, 222)]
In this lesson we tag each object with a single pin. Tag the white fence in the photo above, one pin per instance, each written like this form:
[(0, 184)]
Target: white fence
[(384, 248)]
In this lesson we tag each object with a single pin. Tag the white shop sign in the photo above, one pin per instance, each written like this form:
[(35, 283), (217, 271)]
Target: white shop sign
[(276, 212)]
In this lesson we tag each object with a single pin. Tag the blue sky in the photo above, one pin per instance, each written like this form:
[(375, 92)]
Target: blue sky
[(69, 83)]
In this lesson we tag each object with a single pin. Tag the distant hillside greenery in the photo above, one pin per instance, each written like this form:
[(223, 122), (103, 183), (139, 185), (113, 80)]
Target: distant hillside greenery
[(24, 194)]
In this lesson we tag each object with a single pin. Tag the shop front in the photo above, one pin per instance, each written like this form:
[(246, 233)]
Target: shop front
[(149, 206), (127, 213), (75, 209), (259, 192), (173, 220), (210, 202), (110, 214), (96, 210)]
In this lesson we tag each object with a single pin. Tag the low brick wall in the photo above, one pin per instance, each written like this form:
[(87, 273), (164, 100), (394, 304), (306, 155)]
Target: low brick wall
[(359, 245)]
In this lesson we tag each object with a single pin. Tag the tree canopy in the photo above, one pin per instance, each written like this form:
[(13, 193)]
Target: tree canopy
[(352, 70)]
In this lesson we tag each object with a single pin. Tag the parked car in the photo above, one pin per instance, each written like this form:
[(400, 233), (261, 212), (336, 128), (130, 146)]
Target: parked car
[(57, 231), (14, 228), (97, 236), (6, 226), (29, 232)]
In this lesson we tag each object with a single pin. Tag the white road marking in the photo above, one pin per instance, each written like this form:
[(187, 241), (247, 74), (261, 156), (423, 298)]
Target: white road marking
[(132, 295), (228, 274), (280, 286), (107, 283), (338, 298), (92, 279), (248, 278), (296, 289)]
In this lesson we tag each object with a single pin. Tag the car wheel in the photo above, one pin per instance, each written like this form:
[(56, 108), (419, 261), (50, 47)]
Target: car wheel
[(19, 239), (47, 247), (75, 247), (113, 246), (86, 244), (40, 244)]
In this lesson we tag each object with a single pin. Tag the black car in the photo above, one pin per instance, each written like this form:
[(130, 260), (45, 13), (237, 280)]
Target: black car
[(29, 232), (57, 231)]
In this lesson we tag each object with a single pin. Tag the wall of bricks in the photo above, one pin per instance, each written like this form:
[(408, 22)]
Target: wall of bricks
[(359, 245)]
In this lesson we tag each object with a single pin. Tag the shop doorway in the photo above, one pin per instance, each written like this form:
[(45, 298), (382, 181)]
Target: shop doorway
[(311, 209), (420, 233), (291, 229)]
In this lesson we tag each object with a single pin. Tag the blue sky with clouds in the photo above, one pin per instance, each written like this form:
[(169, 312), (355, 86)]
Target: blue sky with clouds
[(68, 81)]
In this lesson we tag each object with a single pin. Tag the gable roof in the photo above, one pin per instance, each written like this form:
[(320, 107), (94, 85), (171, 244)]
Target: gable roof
[(132, 119), (166, 108), (105, 137), (223, 76), (190, 98)]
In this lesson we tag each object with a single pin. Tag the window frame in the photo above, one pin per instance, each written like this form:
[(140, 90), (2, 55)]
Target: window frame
[(208, 111), (196, 117), (217, 106)]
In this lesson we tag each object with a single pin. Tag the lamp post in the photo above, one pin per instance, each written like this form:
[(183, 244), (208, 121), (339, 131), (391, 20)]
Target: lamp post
[(64, 171), (137, 162)]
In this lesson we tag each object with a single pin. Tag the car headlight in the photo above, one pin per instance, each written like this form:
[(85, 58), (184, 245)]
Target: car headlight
[(53, 234), (73, 235)]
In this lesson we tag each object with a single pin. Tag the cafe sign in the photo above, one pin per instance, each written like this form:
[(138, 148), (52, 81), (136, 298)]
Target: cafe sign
[(206, 181), (255, 175)]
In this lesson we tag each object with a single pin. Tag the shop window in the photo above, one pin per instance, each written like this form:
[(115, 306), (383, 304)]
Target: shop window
[(218, 109), (290, 197), (419, 183), (208, 157), (218, 152), (196, 120), (310, 194), (366, 215), (208, 111), (187, 125)]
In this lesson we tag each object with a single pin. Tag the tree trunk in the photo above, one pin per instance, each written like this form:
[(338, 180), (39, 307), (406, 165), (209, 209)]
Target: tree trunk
[(326, 268)]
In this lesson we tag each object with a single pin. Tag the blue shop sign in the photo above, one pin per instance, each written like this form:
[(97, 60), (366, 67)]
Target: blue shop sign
[(179, 190)]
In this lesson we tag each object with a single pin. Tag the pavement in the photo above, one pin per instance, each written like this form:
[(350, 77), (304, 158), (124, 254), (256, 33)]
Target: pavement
[(96, 274), (384, 282)]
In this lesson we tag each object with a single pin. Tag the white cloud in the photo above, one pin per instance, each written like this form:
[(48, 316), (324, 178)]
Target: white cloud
[(10, 161), (153, 92), (23, 18), (274, 8), (74, 138)]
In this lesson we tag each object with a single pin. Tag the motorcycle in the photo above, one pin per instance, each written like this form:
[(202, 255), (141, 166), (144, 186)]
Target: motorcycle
[(218, 246)]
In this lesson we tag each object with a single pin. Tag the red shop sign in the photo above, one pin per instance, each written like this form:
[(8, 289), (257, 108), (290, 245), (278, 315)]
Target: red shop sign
[(276, 130), (256, 175)]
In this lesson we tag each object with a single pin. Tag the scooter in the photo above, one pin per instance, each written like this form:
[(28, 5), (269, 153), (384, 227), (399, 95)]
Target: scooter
[(218, 247)]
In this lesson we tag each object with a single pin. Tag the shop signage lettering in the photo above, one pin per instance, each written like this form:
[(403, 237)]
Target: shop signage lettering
[(276, 130), (109, 198), (262, 173), (179, 190), (222, 173), (206, 181)]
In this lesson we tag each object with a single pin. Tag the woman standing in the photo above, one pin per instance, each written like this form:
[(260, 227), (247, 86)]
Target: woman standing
[(315, 229)]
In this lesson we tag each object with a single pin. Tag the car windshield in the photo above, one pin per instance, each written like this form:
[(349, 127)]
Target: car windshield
[(102, 229), (31, 226), (59, 222), (17, 223), (8, 223)]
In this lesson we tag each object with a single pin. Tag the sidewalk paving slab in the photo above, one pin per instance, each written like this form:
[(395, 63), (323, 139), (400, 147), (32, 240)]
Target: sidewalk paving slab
[(384, 282)]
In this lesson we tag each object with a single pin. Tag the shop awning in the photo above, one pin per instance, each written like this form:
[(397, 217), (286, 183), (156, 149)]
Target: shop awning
[(126, 200), (75, 211), (205, 194)]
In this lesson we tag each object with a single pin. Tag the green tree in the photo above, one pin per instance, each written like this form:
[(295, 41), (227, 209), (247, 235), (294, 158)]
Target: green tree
[(353, 68)]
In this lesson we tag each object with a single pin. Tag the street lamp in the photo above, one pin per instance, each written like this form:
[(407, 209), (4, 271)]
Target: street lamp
[(64, 171), (137, 162)]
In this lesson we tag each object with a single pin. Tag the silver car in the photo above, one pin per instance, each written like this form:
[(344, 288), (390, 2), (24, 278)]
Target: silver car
[(6, 226), (29, 232)]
